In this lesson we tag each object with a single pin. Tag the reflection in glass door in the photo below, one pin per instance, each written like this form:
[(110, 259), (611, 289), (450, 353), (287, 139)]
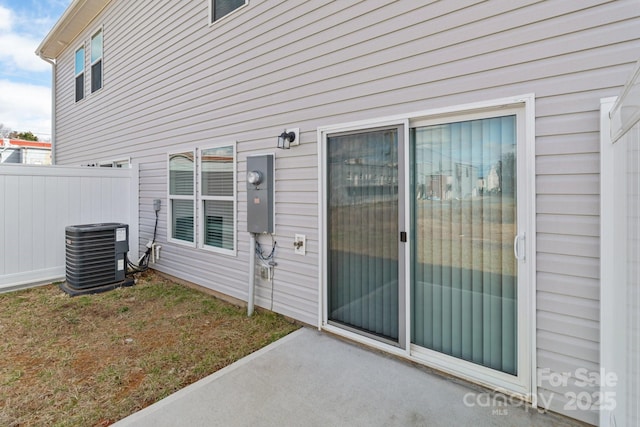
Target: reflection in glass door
[(463, 268), (362, 232)]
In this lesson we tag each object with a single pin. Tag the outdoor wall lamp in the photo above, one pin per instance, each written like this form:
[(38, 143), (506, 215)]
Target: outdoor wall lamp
[(285, 139), (288, 138)]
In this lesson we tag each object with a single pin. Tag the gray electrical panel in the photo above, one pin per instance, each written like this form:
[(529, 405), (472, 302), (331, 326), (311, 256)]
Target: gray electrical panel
[(260, 193)]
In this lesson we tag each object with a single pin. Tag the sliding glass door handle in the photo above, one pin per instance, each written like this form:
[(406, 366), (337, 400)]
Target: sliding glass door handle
[(517, 252)]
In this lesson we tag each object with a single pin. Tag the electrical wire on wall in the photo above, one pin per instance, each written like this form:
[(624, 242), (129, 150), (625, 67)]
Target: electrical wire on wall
[(268, 261), (143, 262)]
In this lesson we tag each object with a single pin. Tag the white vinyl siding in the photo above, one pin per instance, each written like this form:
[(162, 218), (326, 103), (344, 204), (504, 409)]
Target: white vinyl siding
[(338, 62)]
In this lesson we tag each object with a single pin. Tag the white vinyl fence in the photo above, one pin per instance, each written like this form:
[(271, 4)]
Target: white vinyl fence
[(620, 257), (38, 202)]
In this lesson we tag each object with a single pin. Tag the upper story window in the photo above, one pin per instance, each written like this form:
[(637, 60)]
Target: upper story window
[(79, 73), (96, 61), (218, 9)]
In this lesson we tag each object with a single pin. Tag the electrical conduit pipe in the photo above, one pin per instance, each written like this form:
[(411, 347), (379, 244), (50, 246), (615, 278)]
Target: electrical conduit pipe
[(252, 274)]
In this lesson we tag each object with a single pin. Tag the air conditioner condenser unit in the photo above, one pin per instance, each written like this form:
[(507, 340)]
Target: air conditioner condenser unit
[(96, 258)]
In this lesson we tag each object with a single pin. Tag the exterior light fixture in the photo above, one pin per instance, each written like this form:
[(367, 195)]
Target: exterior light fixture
[(285, 139)]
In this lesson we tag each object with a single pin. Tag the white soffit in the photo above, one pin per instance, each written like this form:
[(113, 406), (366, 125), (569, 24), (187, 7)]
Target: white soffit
[(73, 21)]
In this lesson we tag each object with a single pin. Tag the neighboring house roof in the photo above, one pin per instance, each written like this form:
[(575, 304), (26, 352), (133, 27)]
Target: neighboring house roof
[(15, 143), (75, 19)]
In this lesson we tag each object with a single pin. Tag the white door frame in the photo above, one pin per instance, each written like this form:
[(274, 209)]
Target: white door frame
[(524, 385)]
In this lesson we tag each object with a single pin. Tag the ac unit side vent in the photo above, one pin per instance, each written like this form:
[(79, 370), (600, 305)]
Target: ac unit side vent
[(96, 257)]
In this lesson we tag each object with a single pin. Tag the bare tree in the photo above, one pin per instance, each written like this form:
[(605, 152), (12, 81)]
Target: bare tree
[(4, 131)]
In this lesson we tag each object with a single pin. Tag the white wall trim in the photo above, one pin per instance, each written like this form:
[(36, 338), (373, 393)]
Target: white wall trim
[(322, 232), (530, 243), (612, 260)]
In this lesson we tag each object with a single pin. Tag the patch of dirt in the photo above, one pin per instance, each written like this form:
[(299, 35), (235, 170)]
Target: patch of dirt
[(94, 359)]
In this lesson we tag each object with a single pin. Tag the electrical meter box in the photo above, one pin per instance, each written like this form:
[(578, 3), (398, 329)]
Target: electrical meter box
[(260, 193)]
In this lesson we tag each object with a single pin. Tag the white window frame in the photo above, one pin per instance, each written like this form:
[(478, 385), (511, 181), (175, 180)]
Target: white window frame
[(171, 197), (120, 163), (524, 386), (83, 73), (101, 58), (233, 12), (233, 198), (126, 163)]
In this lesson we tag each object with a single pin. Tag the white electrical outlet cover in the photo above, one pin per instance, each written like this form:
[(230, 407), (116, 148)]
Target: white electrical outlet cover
[(300, 249)]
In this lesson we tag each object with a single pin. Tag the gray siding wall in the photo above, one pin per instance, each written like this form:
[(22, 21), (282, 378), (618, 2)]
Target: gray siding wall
[(171, 81)]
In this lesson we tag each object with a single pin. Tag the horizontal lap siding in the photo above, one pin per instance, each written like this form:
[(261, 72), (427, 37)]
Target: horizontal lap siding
[(172, 81), (568, 244)]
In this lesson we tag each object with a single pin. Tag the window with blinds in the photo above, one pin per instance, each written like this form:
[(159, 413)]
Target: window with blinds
[(182, 197), (464, 272), (217, 194)]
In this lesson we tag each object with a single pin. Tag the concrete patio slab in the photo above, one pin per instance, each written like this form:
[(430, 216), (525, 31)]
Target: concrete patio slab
[(311, 378)]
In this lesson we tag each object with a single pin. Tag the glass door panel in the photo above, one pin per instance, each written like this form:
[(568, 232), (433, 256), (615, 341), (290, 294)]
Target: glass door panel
[(463, 213), (362, 232)]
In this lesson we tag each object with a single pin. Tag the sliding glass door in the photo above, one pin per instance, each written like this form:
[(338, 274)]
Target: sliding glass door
[(425, 240), (362, 232), (463, 214)]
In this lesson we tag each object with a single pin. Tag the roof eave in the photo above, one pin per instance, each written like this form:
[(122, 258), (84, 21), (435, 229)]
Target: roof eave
[(73, 21)]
